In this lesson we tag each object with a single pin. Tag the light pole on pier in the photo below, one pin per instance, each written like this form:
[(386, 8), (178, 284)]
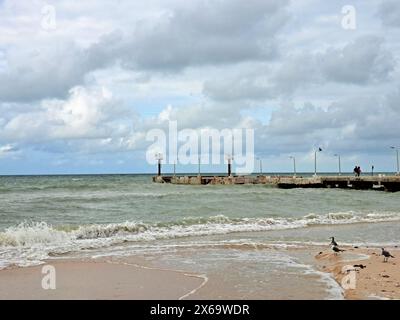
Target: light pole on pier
[(229, 158), (340, 169), (159, 157), (315, 160), (175, 164), (397, 159), (199, 174), (260, 166), (294, 164)]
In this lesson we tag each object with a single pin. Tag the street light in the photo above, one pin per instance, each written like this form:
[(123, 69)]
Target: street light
[(230, 159), (294, 164), (340, 169), (397, 158), (260, 163), (315, 160), (199, 172), (159, 157)]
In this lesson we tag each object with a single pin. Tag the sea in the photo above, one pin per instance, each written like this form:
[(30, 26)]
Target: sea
[(254, 241)]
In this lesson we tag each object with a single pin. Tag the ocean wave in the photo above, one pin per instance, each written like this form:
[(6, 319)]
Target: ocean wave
[(27, 234)]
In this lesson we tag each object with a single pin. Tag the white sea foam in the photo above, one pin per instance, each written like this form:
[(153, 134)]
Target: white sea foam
[(27, 234), (33, 241)]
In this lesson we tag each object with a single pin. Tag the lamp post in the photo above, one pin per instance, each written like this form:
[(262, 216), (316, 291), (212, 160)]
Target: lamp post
[(294, 164), (229, 158), (159, 157), (315, 160), (340, 169), (260, 166), (199, 173), (397, 159)]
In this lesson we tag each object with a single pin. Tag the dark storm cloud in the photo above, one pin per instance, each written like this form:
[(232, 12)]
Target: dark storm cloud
[(363, 61), (358, 124), (198, 33)]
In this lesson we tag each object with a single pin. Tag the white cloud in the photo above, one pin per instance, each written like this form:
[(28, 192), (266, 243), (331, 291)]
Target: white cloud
[(389, 12), (85, 114), (285, 68), (7, 150)]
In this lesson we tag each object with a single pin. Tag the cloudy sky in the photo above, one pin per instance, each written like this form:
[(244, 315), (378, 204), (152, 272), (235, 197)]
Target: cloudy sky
[(82, 82)]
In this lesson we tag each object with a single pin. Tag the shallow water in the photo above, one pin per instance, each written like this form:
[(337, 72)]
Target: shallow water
[(52, 216)]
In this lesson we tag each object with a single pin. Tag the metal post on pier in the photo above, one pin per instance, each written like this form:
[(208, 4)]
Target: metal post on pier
[(294, 165), (340, 169), (397, 159), (315, 160), (315, 163), (260, 170), (397, 154), (175, 164), (229, 158), (199, 173), (159, 157)]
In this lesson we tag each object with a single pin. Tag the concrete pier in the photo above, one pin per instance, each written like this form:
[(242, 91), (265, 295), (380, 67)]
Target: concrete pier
[(379, 182)]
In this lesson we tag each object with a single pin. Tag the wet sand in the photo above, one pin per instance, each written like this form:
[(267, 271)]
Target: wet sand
[(374, 279), (97, 280), (134, 278)]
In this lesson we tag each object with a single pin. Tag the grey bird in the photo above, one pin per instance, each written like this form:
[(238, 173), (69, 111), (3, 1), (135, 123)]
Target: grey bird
[(386, 255), (333, 242)]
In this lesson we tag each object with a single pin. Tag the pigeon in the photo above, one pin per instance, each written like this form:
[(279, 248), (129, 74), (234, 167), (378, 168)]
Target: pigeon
[(386, 255)]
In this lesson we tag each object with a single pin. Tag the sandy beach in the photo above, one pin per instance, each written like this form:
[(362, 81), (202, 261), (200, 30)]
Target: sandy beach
[(98, 279), (134, 278), (374, 279)]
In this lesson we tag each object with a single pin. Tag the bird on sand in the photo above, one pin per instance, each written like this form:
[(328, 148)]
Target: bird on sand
[(333, 242), (336, 249), (386, 255)]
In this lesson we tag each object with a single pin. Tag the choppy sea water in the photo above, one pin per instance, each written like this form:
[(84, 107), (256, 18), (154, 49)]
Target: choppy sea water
[(240, 234)]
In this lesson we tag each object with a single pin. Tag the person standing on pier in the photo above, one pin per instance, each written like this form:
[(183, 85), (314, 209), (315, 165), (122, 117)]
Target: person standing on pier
[(357, 171)]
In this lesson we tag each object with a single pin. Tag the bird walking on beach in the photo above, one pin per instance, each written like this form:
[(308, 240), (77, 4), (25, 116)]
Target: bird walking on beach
[(386, 255), (336, 249), (333, 242)]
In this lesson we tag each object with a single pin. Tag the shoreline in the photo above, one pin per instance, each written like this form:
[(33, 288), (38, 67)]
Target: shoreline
[(135, 278), (98, 279), (366, 277)]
